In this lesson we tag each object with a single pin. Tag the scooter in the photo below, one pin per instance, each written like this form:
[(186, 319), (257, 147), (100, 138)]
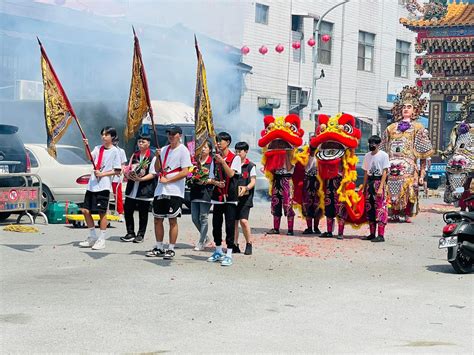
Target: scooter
[(458, 238)]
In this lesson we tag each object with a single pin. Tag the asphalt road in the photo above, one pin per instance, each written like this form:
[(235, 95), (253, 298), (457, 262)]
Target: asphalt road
[(294, 294)]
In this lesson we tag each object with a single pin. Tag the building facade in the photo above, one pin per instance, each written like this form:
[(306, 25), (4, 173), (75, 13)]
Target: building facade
[(445, 44)]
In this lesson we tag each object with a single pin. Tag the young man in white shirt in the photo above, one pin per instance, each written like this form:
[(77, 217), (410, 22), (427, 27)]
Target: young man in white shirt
[(376, 165), (225, 197), (107, 163), (172, 169)]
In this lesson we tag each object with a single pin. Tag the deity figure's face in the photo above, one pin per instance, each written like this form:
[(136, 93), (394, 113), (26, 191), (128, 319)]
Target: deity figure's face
[(407, 111)]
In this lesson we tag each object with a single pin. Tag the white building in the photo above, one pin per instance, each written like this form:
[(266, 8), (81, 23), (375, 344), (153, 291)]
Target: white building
[(368, 59)]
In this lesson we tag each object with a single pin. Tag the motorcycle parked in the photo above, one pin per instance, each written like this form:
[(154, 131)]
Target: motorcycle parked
[(458, 238)]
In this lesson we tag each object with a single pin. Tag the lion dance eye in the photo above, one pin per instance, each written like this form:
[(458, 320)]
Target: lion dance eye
[(348, 128), (322, 127), (293, 128)]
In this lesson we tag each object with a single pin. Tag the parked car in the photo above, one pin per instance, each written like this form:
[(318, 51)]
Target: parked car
[(13, 159), (436, 175), (360, 171), (64, 179)]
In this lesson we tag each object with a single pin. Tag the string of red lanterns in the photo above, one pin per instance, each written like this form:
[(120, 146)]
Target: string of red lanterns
[(279, 48)]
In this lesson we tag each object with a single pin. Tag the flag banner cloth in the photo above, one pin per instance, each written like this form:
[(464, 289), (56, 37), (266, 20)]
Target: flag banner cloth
[(203, 125), (58, 112), (139, 100)]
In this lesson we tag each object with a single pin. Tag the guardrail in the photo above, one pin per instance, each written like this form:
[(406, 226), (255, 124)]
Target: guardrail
[(23, 199)]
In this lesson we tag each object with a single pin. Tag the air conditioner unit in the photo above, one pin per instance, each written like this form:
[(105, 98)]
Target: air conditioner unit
[(268, 103), (28, 90), (294, 97), (304, 96)]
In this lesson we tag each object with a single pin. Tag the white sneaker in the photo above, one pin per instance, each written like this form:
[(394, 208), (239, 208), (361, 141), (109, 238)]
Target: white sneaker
[(99, 244), (121, 218), (89, 242), (199, 247)]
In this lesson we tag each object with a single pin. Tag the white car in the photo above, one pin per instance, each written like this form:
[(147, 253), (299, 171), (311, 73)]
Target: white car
[(64, 179)]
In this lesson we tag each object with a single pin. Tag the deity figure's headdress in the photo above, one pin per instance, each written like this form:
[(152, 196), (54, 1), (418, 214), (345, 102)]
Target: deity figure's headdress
[(467, 108), (409, 95)]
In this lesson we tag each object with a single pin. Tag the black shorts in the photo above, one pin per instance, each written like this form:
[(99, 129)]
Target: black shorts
[(167, 207), (97, 202), (243, 212)]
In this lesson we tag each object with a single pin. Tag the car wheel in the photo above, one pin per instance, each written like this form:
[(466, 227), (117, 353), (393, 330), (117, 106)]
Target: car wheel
[(46, 198), (4, 216)]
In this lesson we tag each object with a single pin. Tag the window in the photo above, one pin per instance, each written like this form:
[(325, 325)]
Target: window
[(324, 48), (402, 55), (297, 23), (261, 14), (365, 60)]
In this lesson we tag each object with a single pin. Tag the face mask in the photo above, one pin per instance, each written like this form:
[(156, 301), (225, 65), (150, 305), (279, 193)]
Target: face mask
[(372, 147)]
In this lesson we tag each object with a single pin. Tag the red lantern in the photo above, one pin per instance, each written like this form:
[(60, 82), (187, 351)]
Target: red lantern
[(311, 42), (263, 50), (296, 45), (245, 50), (419, 61), (279, 48), (419, 83), (325, 38)]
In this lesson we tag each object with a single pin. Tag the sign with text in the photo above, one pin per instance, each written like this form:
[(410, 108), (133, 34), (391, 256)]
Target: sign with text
[(19, 198)]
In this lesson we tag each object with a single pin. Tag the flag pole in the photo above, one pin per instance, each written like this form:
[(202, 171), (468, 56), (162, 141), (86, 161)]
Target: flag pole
[(145, 84), (73, 114)]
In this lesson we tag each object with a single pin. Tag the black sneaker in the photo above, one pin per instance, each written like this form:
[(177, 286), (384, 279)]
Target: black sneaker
[(128, 238), (340, 237), (236, 249), (326, 235), (290, 233), (139, 238), (248, 249), (317, 231), (308, 231), (378, 239), (155, 252), (369, 237), (273, 231), (169, 254)]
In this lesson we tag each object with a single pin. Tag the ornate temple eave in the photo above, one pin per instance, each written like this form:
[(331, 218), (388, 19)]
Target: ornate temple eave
[(445, 44), (447, 65), (451, 85)]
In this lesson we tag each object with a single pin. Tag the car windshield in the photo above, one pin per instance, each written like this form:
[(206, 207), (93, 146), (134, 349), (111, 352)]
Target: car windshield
[(71, 156)]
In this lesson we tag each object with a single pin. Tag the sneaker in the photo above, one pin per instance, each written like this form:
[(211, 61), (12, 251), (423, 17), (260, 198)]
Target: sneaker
[(99, 244), (290, 233), (155, 252), (340, 237), (248, 249), (139, 238), (273, 231), (88, 243), (378, 239), (129, 237), (369, 237), (206, 241), (121, 218), (169, 254), (326, 235), (199, 247), (308, 231), (216, 256), (227, 261), (236, 249), (317, 231)]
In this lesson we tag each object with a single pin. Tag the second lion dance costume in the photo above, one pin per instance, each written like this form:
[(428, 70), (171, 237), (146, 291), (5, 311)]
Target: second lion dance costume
[(335, 142), (405, 142), (284, 166)]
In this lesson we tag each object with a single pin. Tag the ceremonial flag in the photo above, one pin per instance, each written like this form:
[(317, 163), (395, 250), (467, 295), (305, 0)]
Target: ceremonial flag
[(139, 104), (58, 112), (203, 124)]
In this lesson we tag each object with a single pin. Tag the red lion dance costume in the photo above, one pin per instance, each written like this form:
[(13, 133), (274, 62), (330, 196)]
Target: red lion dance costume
[(335, 142), (284, 166)]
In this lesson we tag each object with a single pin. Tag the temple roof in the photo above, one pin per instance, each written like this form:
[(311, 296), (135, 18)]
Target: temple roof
[(458, 14)]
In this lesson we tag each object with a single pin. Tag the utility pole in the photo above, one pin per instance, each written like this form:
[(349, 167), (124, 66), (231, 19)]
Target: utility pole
[(316, 58)]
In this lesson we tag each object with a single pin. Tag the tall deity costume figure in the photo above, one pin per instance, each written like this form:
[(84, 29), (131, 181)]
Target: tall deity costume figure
[(406, 141), (460, 155)]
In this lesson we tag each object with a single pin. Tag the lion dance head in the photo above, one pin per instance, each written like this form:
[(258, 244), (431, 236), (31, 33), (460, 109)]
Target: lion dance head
[(281, 134)]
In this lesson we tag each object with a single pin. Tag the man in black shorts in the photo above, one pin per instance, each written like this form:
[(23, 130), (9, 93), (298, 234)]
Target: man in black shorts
[(246, 184), (172, 169)]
